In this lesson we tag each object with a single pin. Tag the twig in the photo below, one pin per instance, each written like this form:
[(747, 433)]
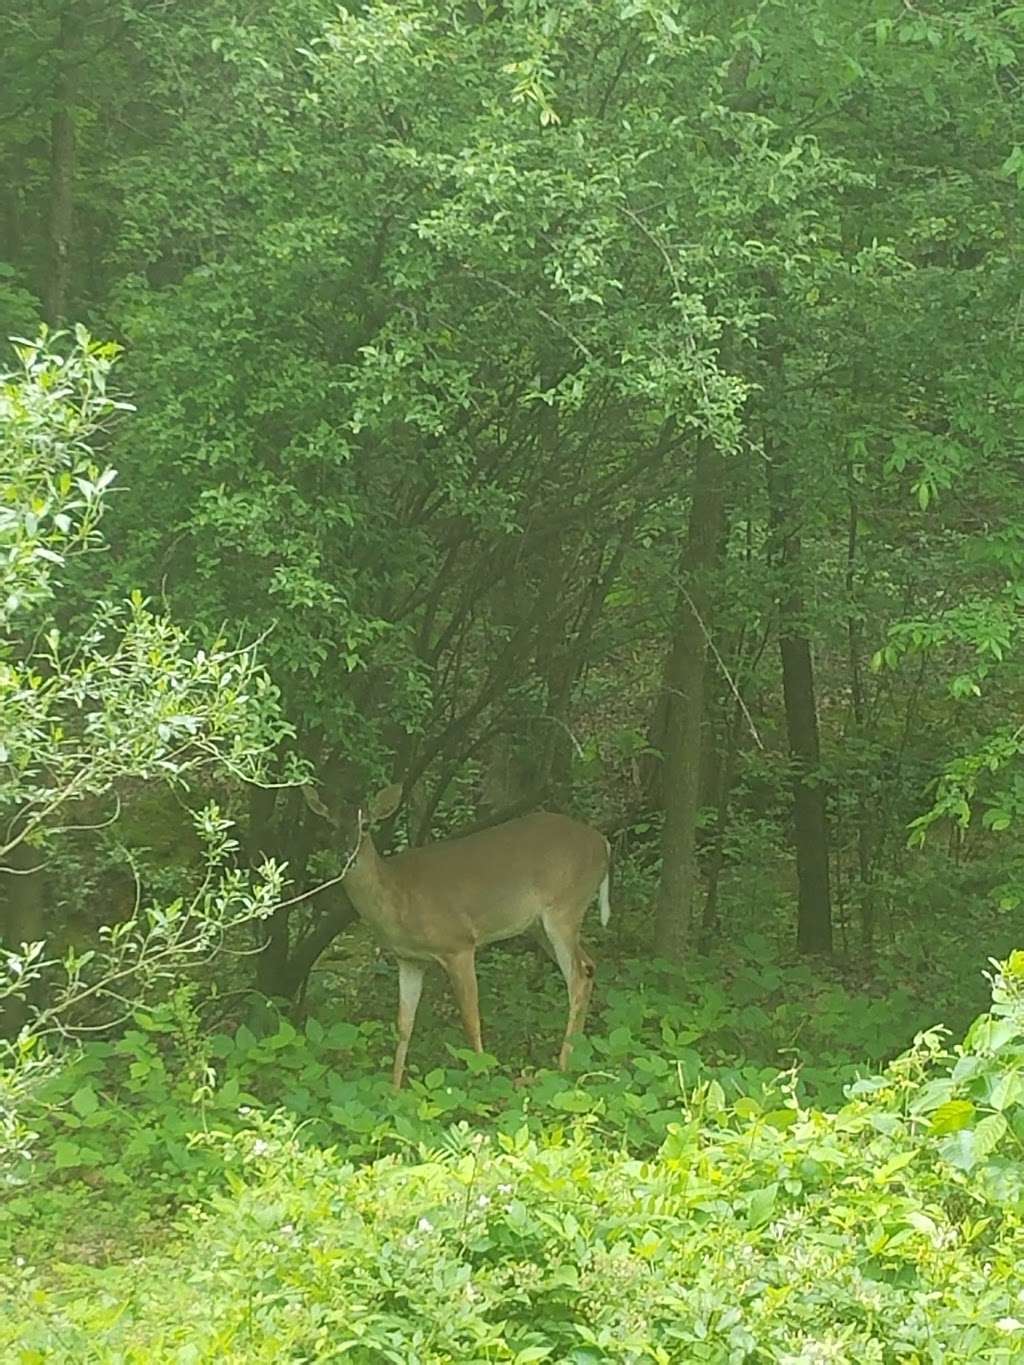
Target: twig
[(725, 671)]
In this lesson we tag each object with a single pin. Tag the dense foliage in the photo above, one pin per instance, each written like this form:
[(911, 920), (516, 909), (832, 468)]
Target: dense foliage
[(609, 406), (892, 1228)]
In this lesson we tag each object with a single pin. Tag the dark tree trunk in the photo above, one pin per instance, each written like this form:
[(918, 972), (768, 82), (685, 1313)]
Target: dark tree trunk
[(735, 717), (651, 767), (814, 918), (866, 900), (287, 953), (685, 688), (22, 920), (814, 914), (62, 170), (725, 769), (316, 941), (10, 208)]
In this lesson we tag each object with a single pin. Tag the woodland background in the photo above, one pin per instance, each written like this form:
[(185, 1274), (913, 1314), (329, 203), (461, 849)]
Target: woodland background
[(608, 407)]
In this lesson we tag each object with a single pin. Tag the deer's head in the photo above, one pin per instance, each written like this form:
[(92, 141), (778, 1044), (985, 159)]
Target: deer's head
[(354, 819)]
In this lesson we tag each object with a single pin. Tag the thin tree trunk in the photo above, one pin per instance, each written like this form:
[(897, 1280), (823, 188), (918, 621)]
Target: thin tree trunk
[(814, 912), (866, 898), (738, 716), (10, 207), (686, 683), (716, 857), (62, 169)]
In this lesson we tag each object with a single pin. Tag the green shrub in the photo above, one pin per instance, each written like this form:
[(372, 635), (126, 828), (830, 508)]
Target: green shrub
[(891, 1229)]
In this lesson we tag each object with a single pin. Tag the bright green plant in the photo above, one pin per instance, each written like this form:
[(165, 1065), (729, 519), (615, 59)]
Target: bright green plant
[(120, 695), (777, 1234)]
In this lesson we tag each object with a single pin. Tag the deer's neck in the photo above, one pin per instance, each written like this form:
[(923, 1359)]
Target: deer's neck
[(368, 883)]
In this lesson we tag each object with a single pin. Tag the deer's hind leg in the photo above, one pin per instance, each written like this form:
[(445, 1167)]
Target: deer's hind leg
[(540, 935), (461, 969), (577, 967)]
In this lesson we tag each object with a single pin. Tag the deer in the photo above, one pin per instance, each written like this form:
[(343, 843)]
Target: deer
[(442, 901)]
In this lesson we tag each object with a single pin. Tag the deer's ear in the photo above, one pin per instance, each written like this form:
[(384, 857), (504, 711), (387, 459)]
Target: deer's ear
[(312, 799), (385, 802)]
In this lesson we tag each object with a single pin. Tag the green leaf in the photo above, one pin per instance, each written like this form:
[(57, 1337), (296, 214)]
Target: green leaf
[(958, 1150), (572, 1102), (66, 1154), (84, 1101), (989, 1034), (781, 1118), (714, 1101), (896, 1163), (988, 1134), (746, 1107), (343, 1035), (931, 1096), (1007, 1090), (952, 1116), (761, 1205)]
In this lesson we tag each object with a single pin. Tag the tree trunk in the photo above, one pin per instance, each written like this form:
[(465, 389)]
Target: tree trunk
[(725, 772), (685, 688), (814, 913), (735, 716), (10, 207), (866, 901), (22, 920), (62, 169)]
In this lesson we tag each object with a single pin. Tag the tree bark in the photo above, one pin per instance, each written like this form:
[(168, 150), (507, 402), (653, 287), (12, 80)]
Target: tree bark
[(62, 169), (685, 688), (866, 900), (22, 920), (10, 207), (810, 825)]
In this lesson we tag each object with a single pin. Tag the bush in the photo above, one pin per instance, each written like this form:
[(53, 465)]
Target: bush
[(122, 696), (890, 1229)]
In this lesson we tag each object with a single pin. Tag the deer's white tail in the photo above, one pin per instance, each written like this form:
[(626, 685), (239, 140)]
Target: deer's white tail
[(606, 908)]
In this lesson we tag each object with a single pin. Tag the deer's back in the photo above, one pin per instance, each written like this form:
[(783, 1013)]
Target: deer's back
[(496, 883)]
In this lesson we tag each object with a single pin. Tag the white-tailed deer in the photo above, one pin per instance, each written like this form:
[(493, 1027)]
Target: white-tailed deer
[(443, 901)]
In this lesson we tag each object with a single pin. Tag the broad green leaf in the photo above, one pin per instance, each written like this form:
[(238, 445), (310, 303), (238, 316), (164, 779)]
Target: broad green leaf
[(761, 1205), (989, 1133), (952, 1116), (84, 1101), (781, 1118), (573, 1102), (896, 1163), (1007, 1090), (746, 1107), (958, 1149)]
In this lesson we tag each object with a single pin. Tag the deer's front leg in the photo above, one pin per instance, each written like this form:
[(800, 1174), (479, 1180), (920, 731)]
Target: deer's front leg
[(410, 987)]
